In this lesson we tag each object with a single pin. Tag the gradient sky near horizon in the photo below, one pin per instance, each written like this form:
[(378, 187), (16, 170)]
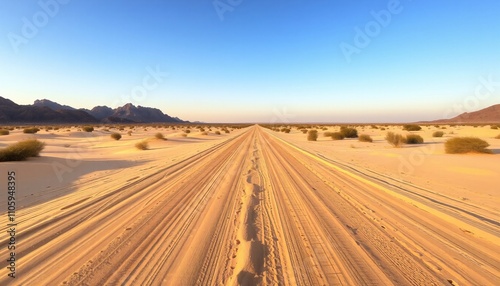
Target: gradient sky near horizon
[(256, 61)]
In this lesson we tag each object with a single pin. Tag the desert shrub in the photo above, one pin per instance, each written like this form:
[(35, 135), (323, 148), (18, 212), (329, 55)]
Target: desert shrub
[(494, 127), (184, 135), (395, 140), (365, 138), (460, 145), (202, 129), (143, 145), (217, 132), (31, 130), (204, 133), (116, 136), (304, 131), (382, 128), (438, 134), (312, 135), (286, 130), (88, 128), (349, 132), (4, 132), (374, 127), (444, 127), (414, 139), (21, 150), (129, 133), (187, 131), (226, 131), (159, 136), (337, 136), (498, 136), (412, 127)]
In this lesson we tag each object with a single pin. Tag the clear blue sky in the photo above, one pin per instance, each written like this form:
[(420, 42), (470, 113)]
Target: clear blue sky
[(259, 61)]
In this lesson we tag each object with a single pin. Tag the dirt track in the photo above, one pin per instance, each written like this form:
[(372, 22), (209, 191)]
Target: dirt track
[(255, 210)]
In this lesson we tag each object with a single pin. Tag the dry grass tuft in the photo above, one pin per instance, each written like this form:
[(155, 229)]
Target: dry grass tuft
[(396, 140), (414, 139), (365, 138), (116, 136), (312, 135), (88, 128), (438, 134), (21, 150), (461, 145), (337, 136), (412, 127), (31, 130), (143, 145)]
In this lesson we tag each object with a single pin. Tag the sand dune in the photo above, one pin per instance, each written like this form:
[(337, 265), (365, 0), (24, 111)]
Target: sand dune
[(248, 208)]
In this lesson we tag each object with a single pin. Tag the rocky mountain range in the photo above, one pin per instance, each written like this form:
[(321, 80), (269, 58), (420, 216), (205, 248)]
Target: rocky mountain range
[(45, 111)]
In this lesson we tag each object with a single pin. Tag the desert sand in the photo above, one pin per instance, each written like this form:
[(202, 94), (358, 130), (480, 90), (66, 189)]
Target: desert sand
[(253, 207)]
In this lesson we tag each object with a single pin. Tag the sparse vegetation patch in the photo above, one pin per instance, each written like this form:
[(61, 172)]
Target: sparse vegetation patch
[(31, 130), (412, 127)]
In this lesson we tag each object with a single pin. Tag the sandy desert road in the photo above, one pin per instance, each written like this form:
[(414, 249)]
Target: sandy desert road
[(256, 210)]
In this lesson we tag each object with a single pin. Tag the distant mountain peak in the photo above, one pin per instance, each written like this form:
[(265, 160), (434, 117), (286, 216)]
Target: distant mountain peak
[(51, 104), (44, 110), (11, 112)]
